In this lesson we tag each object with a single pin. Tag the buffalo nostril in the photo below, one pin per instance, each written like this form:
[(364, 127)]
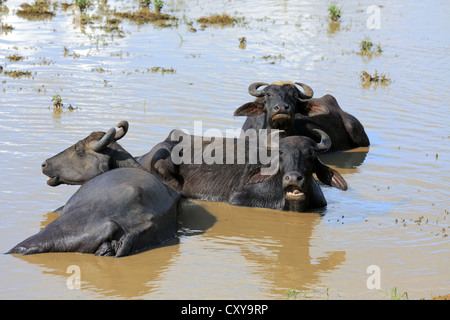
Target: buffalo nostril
[(276, 108), (299, 178), (287, 178), (43, 164)]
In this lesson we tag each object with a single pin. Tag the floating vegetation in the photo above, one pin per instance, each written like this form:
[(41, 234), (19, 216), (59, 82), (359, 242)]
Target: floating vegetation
[(223, 19), (158, 4), (6, 28), (145, 3), (83, 4), (273, 58), (367, 48), (162, 70), (68, 54), (242, 42), (296, 294), (58, 104), (17, 74), (334, 12), (100, 70), (39, 10), (57, 101), (14, 58), (368, 79), (144, 15), (396, 295)]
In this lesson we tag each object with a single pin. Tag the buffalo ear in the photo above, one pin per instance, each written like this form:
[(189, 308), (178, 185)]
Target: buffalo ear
[(329, 176), (250, 109), (313, 109), (255, 176)]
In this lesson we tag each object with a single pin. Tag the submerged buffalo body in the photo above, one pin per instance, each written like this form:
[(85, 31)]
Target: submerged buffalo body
[(292, 187), (302, 114), (118, 213)]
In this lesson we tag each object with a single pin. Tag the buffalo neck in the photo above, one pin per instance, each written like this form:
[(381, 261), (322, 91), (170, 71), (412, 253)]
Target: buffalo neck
[(120, 158)]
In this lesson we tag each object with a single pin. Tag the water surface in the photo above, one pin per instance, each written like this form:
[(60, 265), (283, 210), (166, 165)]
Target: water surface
[(394, 215)]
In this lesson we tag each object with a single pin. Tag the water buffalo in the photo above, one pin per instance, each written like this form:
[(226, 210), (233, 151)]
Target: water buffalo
[(275, 106), (118, 213), (292, 187), (97, 153), (345, 131)]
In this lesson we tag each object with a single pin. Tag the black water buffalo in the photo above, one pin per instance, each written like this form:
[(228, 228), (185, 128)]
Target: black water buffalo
[(118, 213), (291, 187), (97, 153), (345, 131), (275, 106)]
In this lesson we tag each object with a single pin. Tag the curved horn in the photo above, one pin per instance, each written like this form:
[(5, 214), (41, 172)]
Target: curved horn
[(104, 141), (253, 89), (325, 141), (308, 92), (123, 125)]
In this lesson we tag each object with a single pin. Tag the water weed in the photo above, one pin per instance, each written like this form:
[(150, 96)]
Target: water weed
[(39, 10), (367, 79), (334, 12), (395, 295), (367, 48)]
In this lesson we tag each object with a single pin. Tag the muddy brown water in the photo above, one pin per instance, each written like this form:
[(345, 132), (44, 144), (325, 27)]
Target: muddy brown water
[(394, 215)]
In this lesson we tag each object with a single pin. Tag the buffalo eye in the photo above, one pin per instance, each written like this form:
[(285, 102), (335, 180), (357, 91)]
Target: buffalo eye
[(280, 152), (268, 94)]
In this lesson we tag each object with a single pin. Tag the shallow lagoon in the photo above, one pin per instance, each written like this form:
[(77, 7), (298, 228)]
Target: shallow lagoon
[(394, 215)]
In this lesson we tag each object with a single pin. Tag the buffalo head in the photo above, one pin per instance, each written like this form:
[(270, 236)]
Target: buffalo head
[(279, 101), (88, 158), (298, 161)]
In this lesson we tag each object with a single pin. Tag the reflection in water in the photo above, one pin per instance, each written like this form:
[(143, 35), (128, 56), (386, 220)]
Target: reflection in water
[(350, 159), (280, 254)]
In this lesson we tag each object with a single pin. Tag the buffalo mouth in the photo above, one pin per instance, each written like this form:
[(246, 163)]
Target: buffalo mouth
[(53, 181), (281, 117), (294, 193)]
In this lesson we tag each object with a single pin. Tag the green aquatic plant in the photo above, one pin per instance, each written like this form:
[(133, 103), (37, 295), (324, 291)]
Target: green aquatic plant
[(83, 4), (295, 294), (334, 12), (366, 47), (395, 295), (57, 101), (158, 5)]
